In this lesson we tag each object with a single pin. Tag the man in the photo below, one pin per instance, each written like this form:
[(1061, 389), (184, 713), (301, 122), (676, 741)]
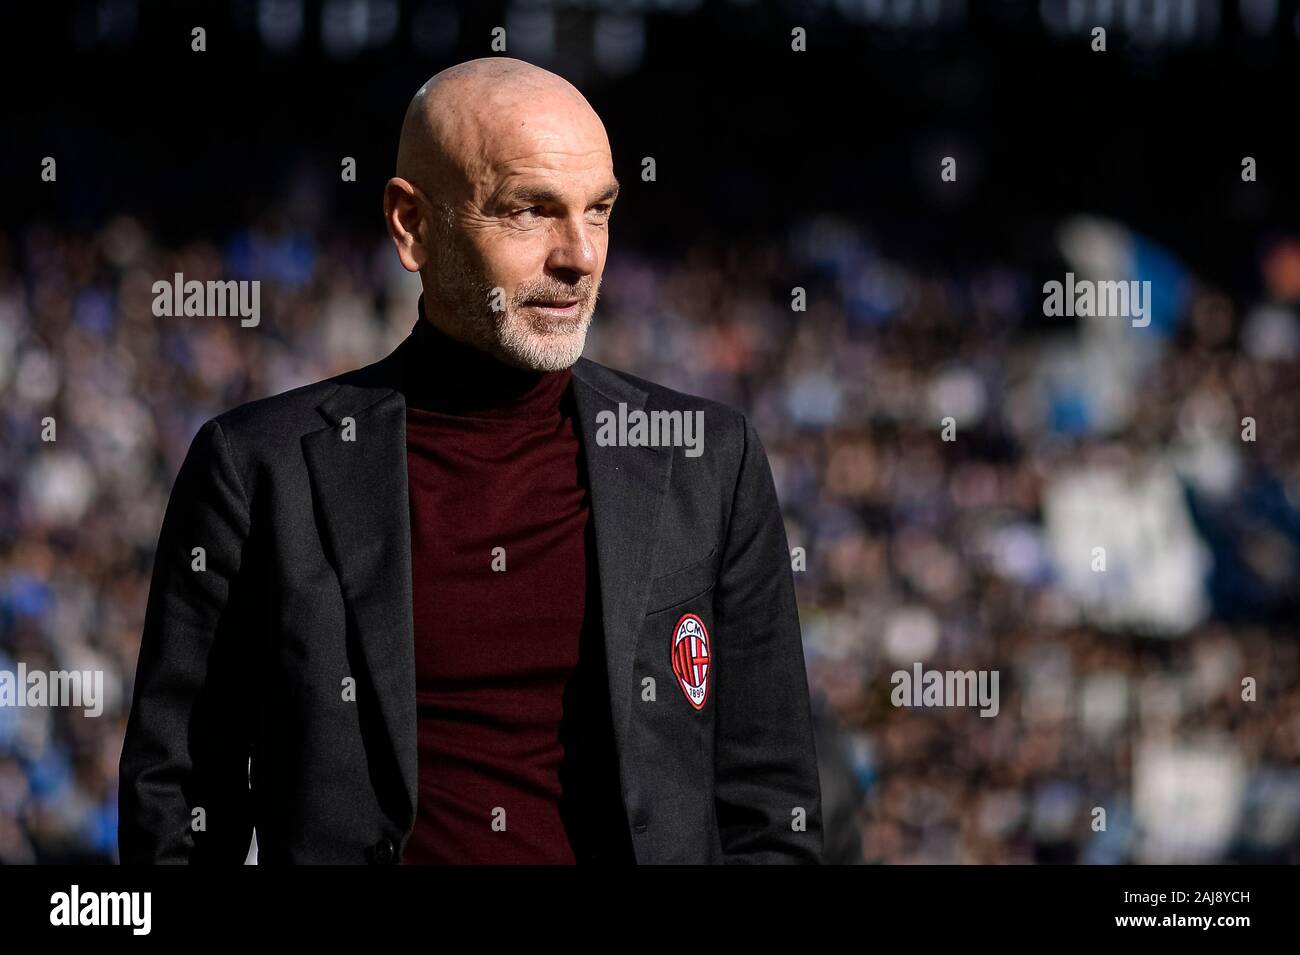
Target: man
[(440, 609)]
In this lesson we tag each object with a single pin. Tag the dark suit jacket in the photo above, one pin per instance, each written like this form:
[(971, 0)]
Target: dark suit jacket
[(240, 716)]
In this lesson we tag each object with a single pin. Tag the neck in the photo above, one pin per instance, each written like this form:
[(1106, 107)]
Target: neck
[(444, 374)]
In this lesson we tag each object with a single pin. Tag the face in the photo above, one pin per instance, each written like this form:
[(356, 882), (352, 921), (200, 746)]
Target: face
[(519, 260)]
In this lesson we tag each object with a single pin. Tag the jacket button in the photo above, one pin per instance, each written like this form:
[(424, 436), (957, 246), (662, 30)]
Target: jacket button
[(384, 851)]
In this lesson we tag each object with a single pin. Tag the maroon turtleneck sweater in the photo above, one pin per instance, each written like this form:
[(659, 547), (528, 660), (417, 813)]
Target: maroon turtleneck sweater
[(516, 759)]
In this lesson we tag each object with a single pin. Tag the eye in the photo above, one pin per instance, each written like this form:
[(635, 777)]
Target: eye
[(534, 209)]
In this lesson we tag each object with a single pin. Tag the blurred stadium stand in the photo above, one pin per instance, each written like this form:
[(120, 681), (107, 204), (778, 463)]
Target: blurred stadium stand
[(1120, 691)]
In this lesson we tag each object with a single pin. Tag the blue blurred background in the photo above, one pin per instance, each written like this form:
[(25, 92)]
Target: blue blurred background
[(775, 170)]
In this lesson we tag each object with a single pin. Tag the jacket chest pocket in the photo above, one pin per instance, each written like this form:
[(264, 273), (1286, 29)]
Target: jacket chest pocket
[(684, 584)]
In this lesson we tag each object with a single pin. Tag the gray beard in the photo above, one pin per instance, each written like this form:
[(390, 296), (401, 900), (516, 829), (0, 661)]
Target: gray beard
[(461, 292)]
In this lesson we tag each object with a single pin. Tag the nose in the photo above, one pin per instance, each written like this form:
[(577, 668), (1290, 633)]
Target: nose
[(574, 249)]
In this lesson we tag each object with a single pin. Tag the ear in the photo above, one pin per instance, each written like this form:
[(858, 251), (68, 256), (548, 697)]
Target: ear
[(407, 223)]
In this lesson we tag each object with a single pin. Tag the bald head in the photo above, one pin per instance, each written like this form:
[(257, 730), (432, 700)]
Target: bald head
[(472, 117), (503, 191)]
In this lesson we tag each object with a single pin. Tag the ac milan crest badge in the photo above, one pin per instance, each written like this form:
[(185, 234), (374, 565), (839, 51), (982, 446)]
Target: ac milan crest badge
[(692, 659)]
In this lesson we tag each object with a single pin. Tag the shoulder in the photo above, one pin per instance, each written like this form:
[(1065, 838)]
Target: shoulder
[(269, 430), (720, 458), (719, 441), (295, 412), (720, 418), (275, 418)]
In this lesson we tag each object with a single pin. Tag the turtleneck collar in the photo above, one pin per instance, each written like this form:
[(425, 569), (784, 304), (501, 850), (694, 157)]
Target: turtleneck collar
[(444, 375)]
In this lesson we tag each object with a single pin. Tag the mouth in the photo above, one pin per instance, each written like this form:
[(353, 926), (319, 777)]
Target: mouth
[(558, 308)]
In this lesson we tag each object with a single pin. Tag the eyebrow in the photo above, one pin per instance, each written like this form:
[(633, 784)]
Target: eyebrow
[(540, 194)]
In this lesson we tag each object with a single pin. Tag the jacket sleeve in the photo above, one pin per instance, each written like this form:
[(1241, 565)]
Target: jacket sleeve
[(183, 793), (768, 796)]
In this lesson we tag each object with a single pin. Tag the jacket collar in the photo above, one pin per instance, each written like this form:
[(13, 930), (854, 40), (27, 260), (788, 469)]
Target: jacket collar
[(357, 466)]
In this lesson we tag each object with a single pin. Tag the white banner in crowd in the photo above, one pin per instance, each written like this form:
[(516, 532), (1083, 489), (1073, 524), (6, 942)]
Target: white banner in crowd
[(1125, 547)]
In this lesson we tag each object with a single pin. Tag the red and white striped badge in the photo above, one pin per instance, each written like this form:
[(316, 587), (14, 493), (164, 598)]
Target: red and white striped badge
[(692, 659)]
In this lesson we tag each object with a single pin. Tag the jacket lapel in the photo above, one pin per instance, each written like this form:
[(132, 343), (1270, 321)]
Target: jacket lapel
[(364, 511), (627, 485)]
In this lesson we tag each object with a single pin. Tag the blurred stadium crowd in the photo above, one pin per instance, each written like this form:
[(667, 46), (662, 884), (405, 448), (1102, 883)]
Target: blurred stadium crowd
[(1121, 690)]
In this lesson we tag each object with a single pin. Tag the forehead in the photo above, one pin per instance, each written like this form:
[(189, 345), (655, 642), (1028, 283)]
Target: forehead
[(558, 144)]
